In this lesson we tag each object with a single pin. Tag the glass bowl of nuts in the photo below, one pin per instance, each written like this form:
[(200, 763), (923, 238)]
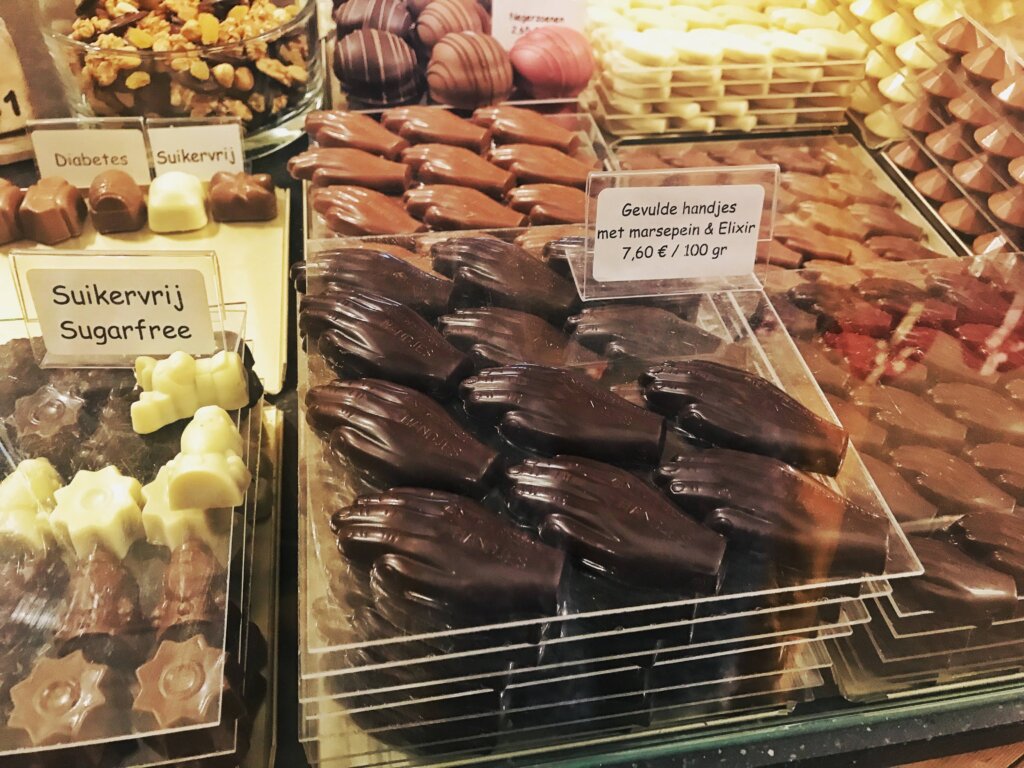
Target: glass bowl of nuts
[(257, 60)]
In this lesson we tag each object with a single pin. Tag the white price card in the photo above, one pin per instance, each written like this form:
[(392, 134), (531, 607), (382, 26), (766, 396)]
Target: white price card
[(80, 150), (674, 233), (511, 19), (202, 150)]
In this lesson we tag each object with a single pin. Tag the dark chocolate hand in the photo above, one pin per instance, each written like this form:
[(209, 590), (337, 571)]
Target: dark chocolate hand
[(494, 336), (730, 408), (362, 334), (996, 538), (551, 411), (647, 333), (613, 522), (759, 501), (976, 302), (488, 271), (446, 551), (399, 435), (374, 271)]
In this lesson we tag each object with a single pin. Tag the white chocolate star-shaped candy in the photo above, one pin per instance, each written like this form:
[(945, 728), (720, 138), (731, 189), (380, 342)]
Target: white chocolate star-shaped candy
[(172, 527), (103, 507)]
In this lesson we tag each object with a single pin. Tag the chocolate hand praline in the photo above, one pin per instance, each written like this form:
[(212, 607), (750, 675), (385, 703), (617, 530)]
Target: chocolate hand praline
[(646, 333)]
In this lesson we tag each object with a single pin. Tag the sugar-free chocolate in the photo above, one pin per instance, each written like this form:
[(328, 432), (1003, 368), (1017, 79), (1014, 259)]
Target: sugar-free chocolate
[(116, 203), (52, 211), (242, 197)]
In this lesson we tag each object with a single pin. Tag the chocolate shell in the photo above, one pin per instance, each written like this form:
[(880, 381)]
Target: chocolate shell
[(358, 211), (442, 164), (760, 502), (375, 271), (429, 124), (1008, 206), (994, 538), (533, 164), (398, 436), (445, 551), (116, 203), (242, 197), (443, 17), (493, 336), (10, 201), (729, 408), (336, 128), (614, 523), (386, 15), (362, 334), (907, 505), (469, 70), (549, 203), (515, 125), (52, 211), (491, 272), (637, 331), (377, 68), (551, 411), (448, 207), (951, 483)]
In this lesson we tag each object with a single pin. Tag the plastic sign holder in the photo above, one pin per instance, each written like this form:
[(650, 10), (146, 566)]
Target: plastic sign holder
[(657, 233)]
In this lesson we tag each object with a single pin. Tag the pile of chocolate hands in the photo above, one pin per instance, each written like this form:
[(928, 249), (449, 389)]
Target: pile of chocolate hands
[(477, 408)]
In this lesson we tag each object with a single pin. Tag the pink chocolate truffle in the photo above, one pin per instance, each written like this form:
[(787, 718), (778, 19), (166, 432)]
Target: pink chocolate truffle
[(552, 62)]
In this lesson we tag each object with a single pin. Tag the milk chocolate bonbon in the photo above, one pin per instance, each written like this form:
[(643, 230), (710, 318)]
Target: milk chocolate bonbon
[(616, 523), (193, 599), (553, 411), (468, 69), (442, 17), (389, 15), (552, 62), (52, 211), (116, 203), (182, 684), (10, 201), (399, 436), (242, 197), (730, 408), (378, 68)]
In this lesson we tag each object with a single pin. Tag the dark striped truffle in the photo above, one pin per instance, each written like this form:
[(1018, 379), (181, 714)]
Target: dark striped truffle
[(468, 70), (377, 68), (386, 15)]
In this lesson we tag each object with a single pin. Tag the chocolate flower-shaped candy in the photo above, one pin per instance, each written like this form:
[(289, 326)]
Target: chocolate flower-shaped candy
[(551, 411), (840, 309), (430, 124), (996, 538), (762, 502), (242, 197), (550, 203), (66, 699), (953, 484), (633, 330), (51, 423), (337, 128), (181, 685), (446, 551), (367, 335), (532, 164), (494, 336), (613, 522), (399, 435), (358, 211), (955, 585), (900, 299), (488, 271), (444, 164), (339, 165), (447, 206), (52, 211), (729, 408), (976, 302), (193, 596), (514, 125), (366, 268)]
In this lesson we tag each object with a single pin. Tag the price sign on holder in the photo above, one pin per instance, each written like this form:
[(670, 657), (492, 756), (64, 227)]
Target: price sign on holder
[(103, 310), (81, 148), (676, 231), (511, 19), (200, 147)]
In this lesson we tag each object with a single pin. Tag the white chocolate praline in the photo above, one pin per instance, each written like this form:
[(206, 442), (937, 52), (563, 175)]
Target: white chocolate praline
[(176, 203), (628, 69), (734, 107), (206, 480), (896, 87), (869, 10), (171, 528), (99, 508), (877, 66), (747, 89), (26, 501), (883, 123), (840, 45), (865, 98), (892, 29), (699, 124), (935, 14), (777, 118), (744, 123), (915, 53), (653, 48), (687, 110), (211, 431)]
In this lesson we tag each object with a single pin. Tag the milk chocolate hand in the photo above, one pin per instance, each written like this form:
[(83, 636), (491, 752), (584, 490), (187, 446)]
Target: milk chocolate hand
[(759, 501), (446, 206), (551, 411), (633, 330), (840, 309), (368, 269), (613, 522), (358, 211), (362, 334), (335, 128), (446, 551), (494, 336), (488, 271), (730, 408), (338, 165), (549, 203), (398, 435), (444, 164), (953, 484), (976, 302), (899, 298), (430, 124), (513, 125), (532, 164)]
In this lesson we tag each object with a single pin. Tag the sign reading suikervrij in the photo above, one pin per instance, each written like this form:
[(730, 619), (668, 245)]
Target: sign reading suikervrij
[(201, 150)]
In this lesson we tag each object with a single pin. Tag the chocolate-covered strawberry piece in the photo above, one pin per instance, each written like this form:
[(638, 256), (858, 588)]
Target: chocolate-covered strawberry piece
[(730, 408), (363, 334), (366, 268), (551, 411), (399, 436), (840, 309), (444, 164), (613, 522), (951, 483), (447, 552), (488, 271), (646, 333), (494, 336), (761, 502), (995, 538)]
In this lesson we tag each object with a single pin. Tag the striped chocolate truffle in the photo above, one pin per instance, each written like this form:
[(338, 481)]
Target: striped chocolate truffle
[(552, 62), (443, 17), (377, 68), (469, 70), (386, 15)]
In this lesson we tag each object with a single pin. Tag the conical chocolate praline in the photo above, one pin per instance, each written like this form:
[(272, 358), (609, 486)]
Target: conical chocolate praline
[(992, 242), (1008, 206), (1010, 91), (1001, 138), (918, 117), (939, 81), (976, 174), (1016, 169), (988, 63), (951, 143), (935, 185), (964, 217), (972, 109), (910, 157), (958, 37)]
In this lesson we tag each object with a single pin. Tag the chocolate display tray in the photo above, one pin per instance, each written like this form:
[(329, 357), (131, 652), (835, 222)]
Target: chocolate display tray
[(253, 261)]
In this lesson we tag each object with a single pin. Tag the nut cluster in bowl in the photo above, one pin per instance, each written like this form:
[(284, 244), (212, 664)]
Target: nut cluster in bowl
[(250, 59)]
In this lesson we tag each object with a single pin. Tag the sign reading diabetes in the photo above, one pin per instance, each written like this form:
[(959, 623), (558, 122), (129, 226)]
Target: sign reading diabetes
[(118, 312)]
